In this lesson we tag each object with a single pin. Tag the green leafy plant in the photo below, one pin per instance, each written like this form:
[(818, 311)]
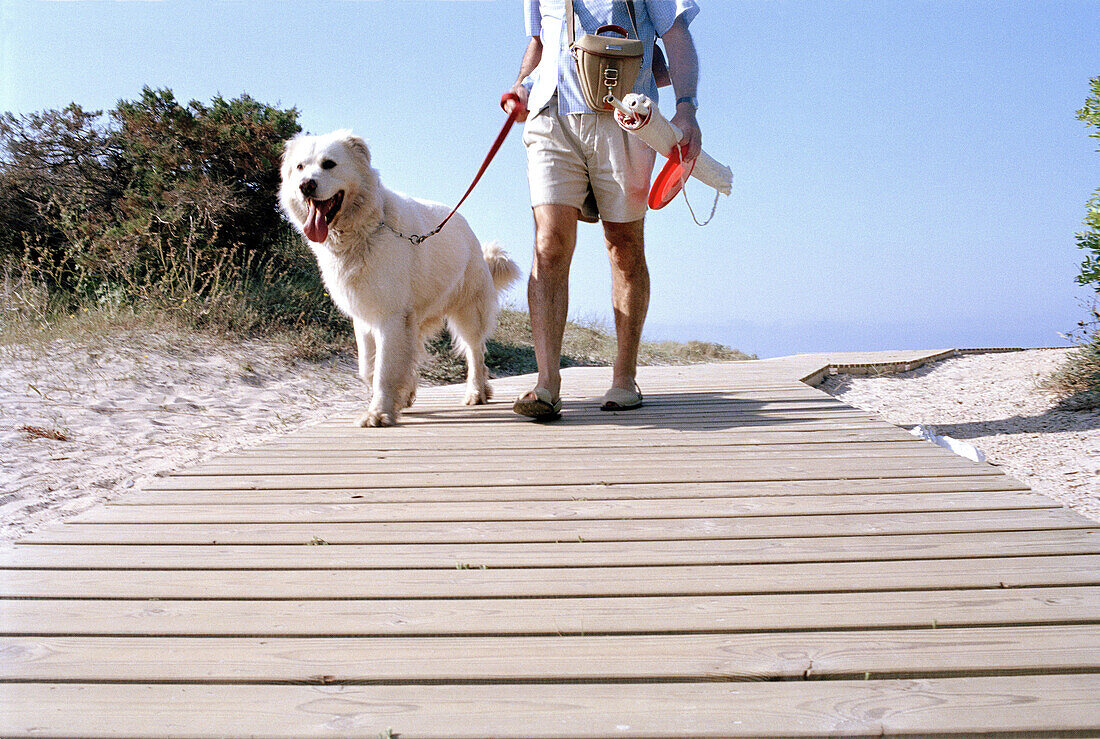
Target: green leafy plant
[(1077, 380), (162, 204), (1089, 240)]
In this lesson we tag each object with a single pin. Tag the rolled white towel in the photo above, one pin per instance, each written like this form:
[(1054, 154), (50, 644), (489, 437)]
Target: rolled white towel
[(638, 115)]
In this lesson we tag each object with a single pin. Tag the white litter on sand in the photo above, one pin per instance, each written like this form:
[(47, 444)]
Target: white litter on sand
[(993, 402), (969, 451)]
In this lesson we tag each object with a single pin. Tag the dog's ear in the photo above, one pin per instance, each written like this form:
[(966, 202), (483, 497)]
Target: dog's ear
[(358, 147), (288, 147)]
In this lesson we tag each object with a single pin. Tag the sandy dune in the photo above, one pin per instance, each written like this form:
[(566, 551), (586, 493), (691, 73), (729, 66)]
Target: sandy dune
[(992, 402), (131, 406)]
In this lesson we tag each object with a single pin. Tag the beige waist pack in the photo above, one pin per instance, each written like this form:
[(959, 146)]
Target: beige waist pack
[(607, 65)]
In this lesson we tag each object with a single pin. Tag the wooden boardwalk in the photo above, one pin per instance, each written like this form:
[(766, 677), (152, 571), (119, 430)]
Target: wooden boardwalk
[(744, 556)]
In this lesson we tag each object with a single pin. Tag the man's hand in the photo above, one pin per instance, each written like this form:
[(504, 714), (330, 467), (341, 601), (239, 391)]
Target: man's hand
[(692, 142), (520, 92)]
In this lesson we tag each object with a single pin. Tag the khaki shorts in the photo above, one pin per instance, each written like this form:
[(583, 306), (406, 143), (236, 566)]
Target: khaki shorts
[(567, 153)]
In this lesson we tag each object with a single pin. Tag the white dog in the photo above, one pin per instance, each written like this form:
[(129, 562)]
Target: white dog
[(397, 293)]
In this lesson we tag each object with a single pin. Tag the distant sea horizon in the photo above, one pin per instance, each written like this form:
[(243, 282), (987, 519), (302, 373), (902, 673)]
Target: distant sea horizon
[(776, 340)]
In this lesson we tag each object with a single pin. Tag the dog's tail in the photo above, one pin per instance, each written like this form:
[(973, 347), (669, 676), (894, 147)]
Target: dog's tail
[(503, 269)]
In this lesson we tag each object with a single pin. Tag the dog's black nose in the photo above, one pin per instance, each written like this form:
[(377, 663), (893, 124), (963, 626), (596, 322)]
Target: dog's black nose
[(308, 187)]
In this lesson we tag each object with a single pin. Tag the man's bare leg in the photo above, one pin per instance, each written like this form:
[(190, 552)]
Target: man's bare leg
[(548, 288), (629, 295)]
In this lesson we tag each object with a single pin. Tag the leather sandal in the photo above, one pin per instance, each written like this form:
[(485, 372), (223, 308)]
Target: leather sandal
[(538, 404), (620, 399)]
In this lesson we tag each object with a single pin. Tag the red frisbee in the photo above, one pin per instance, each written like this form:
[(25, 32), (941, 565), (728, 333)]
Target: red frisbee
[(669, 180)]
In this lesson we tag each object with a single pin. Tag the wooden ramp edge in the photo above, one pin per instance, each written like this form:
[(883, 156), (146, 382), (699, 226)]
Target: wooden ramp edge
[(743, 556)]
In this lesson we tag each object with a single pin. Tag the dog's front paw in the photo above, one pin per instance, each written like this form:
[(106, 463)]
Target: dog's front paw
[(478, 396), (409, 399), (375, 417)]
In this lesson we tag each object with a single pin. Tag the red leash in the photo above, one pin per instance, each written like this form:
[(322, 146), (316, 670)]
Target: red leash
[(517, 110)]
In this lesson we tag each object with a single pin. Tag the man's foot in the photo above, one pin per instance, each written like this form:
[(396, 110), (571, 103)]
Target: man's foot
[(620, 399), (538, 404)]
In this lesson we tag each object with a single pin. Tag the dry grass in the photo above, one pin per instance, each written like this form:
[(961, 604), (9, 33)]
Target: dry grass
[(33, 318), (586, 343), (1077, 381), (42, 433)]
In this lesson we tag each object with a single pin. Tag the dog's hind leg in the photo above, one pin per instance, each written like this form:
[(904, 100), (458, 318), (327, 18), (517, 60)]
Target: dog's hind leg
[(406, 395), (364, 341), (470, 326)]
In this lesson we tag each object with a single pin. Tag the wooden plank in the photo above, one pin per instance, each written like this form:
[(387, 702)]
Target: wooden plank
[(533, 616), (305, 463), (263, 456), (869, 434), (875, 444), (1011, 572), (615, 428), (553, 554), (690, 405), (514, 475), (492, 437), (357, 512), (1025, 705), (656, 529), (677, 657), (775, 400), (627, 491), (697, 391), (498, 418), (344, 437)]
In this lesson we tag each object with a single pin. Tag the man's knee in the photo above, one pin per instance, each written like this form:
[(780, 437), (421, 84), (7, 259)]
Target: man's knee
[(551, 241), (555, 235), (625, 244)]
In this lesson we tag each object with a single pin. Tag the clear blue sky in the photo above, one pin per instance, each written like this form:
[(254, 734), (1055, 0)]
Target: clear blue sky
[(907, 173)]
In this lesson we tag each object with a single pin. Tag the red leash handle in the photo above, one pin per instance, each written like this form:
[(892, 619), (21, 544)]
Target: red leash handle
[(517, 110)]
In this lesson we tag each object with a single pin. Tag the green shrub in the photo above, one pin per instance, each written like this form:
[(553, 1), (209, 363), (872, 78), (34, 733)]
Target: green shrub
[(159, 204), (60, 175), (1089, 240), (1078, 379)]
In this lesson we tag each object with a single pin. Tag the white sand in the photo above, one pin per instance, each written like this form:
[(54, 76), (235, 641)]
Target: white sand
[(134, 405), (992, 402)]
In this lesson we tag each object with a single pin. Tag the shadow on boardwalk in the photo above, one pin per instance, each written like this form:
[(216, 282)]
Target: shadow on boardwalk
[(689, 411)]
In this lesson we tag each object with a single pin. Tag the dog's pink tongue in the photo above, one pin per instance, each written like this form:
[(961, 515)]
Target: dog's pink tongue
[(316, 227)]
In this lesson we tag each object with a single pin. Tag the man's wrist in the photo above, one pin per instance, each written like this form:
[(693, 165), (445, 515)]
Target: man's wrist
[(688, 101)]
